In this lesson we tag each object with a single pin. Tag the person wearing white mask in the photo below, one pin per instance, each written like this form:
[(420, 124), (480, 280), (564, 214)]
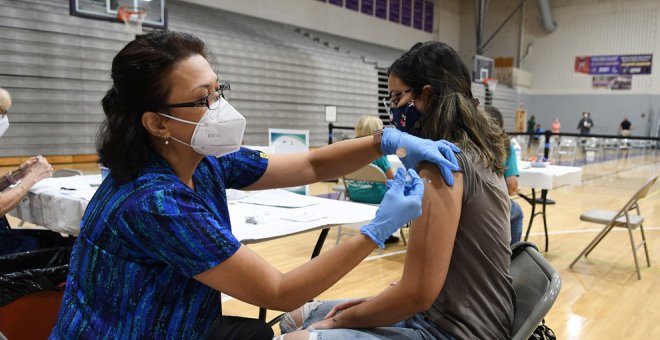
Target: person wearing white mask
[(14, 185), (156, 246)]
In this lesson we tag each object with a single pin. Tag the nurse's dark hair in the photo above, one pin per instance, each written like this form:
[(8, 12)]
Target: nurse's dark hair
[(140, 76), (452, 112)]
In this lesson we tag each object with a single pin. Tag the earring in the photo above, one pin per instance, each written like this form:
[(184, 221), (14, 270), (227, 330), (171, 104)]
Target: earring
[(167, 142)]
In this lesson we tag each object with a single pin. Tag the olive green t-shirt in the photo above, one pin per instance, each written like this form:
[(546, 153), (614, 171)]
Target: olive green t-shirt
[(477, 299)]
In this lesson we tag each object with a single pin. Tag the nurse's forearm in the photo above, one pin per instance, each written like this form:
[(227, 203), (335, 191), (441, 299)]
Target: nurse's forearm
[(344, 157), (314, 277), (332, 161)]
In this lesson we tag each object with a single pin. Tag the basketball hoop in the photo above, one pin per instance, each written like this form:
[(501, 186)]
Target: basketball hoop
[(132, 17), (490, 83)]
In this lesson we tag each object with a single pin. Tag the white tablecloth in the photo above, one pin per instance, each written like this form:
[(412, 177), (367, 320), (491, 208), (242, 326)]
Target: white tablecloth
[(59, 204), (548, 177)]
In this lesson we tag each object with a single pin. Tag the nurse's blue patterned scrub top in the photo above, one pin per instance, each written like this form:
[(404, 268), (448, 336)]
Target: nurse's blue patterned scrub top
[(141, 243)]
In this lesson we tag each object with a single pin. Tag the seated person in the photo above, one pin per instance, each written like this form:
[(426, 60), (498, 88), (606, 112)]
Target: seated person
[(363, 191), (511, 177), (14, 185), (455, 281)]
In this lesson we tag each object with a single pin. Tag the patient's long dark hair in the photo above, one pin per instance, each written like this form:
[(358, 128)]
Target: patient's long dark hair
[(140, 75), (453, 113)]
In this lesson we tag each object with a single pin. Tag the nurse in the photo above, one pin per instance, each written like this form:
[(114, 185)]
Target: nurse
[(156, 247)]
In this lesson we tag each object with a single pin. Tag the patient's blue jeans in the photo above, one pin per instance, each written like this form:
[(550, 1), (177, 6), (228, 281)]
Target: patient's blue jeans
[(415, 327), (516, 222)]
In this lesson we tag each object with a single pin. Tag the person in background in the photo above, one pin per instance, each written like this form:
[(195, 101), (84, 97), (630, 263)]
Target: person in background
[(14, 185), (511, 174), (556, 125), (585, 124), (369, 192), (624, 127), (538, 136), (156, 246), (531, 124), (455, 281)]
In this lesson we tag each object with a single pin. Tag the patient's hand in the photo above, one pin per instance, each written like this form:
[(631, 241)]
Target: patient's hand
[(329, 320), (342, 306)]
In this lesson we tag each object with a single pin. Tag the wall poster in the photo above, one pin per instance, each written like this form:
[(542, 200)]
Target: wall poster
[(633, 64)]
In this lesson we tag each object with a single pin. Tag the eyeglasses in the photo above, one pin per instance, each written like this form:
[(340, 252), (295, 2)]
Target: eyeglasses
[(394, 97), (3, 113), (212, 101)]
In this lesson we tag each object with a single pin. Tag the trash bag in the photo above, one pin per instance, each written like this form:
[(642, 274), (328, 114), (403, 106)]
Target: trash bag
[(21, 240), (32, 271)]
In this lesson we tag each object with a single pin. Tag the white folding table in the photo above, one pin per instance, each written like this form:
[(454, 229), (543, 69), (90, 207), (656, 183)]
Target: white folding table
[(545, 178), (59, 204)]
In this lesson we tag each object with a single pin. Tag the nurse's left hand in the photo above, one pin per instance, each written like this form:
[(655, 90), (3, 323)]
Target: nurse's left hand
[(412, 150)]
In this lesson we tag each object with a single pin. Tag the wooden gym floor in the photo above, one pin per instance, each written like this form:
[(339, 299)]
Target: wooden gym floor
[(601, 297)]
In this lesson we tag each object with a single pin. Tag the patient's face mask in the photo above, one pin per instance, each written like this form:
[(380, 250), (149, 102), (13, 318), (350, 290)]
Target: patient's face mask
[(406, 117), (4, 125), (218, 132)]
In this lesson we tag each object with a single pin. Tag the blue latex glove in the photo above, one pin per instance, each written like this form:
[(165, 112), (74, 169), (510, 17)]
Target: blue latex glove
[(401, 204), (412, 150)]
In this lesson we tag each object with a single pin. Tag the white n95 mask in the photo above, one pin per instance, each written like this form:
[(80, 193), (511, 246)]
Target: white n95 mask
[(218, 132), (4, 125)]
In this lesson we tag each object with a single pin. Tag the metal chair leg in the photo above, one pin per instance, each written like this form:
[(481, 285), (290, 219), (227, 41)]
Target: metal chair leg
[(634, 250), (544, 196), (599, 238), (590, 246), (338, 235), (531, 217), (646, 249)]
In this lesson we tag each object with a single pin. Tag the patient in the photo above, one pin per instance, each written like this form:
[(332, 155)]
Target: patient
[(455, 281)]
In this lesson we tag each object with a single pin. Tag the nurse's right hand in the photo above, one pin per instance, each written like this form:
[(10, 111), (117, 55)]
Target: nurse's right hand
[(401, 204)]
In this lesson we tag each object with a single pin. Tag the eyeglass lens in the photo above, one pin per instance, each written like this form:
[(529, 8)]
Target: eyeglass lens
[(394, 97), (224, 91)]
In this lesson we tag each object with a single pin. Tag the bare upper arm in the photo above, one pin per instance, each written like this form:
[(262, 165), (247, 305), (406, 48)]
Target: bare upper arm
[(432, 235)]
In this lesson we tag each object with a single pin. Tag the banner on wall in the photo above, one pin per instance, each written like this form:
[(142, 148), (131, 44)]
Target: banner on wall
[(632, 64), (620, 82)]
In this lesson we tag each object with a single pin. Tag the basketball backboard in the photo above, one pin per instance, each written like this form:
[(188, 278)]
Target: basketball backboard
[(483, 68), (107, 10)]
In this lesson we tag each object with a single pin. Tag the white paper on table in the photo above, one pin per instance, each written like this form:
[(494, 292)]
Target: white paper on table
[(276, 224), (278, 198), (306, 216)]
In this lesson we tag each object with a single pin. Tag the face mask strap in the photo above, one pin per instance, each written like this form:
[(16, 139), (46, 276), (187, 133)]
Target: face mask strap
[(182, 142), (179, 120)]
